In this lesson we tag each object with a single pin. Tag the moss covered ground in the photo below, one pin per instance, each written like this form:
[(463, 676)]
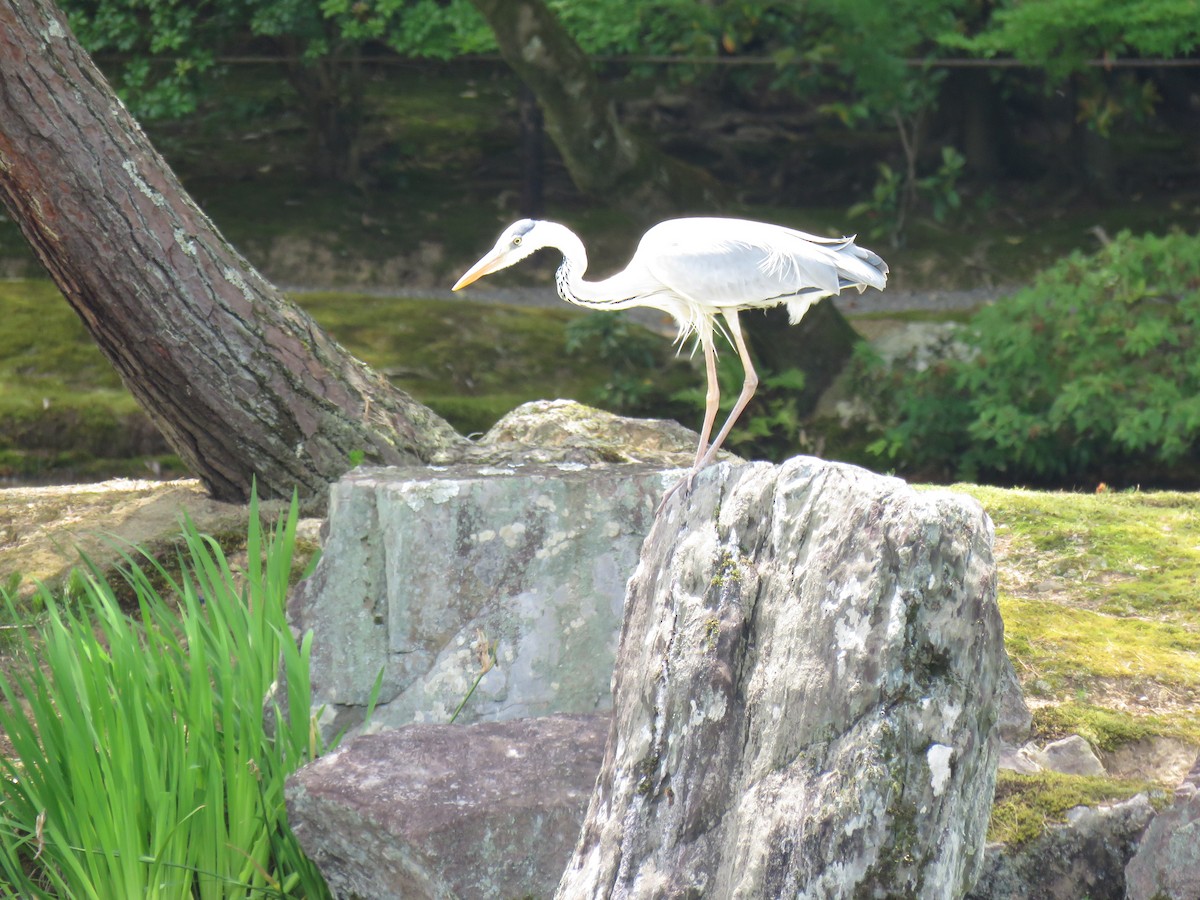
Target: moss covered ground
[(63, 408), (1100, 595)]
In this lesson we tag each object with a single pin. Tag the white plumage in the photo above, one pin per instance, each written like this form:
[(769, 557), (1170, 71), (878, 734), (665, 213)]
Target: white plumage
[(696, 269)]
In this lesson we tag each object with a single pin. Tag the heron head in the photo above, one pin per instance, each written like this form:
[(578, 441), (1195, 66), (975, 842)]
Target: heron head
[(518, 241)]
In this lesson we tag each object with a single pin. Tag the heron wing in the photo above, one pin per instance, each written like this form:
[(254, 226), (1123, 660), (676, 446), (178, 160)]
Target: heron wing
[(735, 263)]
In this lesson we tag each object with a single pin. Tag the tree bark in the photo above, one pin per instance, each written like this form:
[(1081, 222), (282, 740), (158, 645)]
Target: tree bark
[(602, 157), (242, 383)]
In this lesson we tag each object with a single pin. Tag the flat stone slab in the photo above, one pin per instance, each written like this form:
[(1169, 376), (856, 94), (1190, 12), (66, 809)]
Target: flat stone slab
[(453, 812), (425, 569)]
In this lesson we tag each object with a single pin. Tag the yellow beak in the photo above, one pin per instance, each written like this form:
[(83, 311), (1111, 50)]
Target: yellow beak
[(490, 263)]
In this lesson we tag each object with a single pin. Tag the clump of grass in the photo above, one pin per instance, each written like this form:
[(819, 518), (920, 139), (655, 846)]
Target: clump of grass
[(1026, 804), (143, 764), (1108, 729)]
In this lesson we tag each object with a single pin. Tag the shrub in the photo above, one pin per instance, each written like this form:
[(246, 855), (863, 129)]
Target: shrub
[(144, 767), (1091, 372)]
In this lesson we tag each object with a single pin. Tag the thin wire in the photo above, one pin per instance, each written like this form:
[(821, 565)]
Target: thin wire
[(664, 60)]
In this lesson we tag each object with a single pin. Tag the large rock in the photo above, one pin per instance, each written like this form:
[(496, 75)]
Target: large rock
[(585, 434), (1016, 721), (1169, 761), (424, 570), (1085, 857), (1166, 865), (805, 694), (433, 812), (44, 530)]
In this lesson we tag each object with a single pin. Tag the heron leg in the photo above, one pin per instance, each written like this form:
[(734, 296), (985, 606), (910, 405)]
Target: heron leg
[(749, 386), (712, 399)]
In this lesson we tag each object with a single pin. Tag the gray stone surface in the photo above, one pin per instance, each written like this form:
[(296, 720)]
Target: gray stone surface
[(422, 567), (1072, 756), (1016, 721), (1085, 857), (1166, 865), (806, 694), (449, 812), (1162, 759), (1019, 759)]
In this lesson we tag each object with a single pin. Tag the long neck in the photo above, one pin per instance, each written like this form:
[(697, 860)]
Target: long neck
[(616, 292)]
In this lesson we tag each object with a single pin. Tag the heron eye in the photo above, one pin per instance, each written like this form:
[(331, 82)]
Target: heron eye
[(517, 241)]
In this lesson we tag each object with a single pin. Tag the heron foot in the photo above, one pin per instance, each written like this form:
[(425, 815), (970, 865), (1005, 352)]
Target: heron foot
[(685, 483)]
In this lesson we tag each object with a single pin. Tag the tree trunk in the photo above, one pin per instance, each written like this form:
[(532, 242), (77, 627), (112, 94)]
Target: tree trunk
[(242, 383), (819, 345), (331, 98), (603, 159), (972, 106)]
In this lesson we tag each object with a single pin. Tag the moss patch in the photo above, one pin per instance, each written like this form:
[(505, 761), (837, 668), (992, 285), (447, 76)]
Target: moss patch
[(469, 362), (1065, 648), (62, 406), (1107, 729), (1126, 553), (1026, 804)]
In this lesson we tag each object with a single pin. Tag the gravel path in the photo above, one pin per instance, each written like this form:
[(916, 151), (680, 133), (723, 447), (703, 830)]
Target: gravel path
[(902, 301)]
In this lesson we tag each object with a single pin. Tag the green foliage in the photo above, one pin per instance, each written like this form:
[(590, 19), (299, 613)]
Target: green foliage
[(941, 187), (1062, 35), (440, 30), (893, 198), (168, 50), (143, 767), (633, 356), (631, 26), (168, 47), (1092, 372), (871, 44), (882, 210)]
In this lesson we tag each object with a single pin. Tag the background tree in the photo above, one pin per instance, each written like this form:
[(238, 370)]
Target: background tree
[(1065, 38), (242, 383), (603, 157), (167, 56)]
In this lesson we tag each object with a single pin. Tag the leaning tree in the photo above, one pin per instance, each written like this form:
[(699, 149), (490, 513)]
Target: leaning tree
[(241, 382)]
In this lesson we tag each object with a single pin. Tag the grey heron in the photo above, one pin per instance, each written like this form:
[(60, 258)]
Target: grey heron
[(696, 269)]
